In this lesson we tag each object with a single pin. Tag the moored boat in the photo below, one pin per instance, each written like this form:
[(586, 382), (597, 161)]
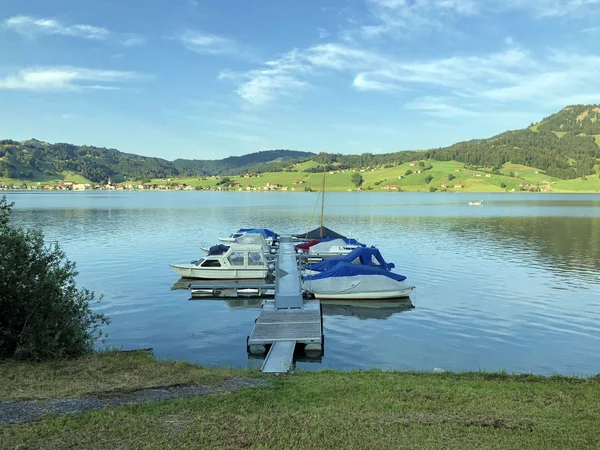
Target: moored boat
[(352, 281), (364, 256), (239, 262)]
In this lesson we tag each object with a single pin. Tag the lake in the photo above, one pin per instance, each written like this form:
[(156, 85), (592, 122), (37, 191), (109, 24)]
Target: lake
[(512, 285)]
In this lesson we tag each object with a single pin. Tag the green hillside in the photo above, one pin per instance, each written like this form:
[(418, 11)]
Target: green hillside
[(561, 153)]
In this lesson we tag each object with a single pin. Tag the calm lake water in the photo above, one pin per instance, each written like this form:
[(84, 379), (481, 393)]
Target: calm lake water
[(513, 285)]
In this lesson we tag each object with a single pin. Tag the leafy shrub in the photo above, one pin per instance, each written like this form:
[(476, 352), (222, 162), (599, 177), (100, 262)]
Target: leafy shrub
[(356, 179), (428, 179), (43, 315)]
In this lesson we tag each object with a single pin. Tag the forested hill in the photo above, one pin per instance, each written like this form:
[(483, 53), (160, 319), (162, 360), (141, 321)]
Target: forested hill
[(564, 145), (273, 160), (36, 160)]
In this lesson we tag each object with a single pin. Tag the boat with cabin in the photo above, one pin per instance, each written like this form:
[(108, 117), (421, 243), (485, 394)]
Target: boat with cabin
[(238, 262)]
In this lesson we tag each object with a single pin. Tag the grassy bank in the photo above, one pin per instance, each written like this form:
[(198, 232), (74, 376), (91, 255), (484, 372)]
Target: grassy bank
[(327, 409), (450, 176)]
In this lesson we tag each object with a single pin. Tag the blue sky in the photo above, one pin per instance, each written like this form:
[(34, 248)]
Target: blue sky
[(210, 79)]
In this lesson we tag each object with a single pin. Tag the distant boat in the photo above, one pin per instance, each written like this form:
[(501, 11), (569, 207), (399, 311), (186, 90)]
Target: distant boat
[(476, 203)]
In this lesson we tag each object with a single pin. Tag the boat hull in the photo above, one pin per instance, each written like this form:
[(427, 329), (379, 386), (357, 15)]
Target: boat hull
[(196, 272), (361, 287), (402, 293)]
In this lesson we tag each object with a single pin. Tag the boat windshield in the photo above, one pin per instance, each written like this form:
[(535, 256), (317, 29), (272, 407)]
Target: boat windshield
[(236, 258), (255, 259)]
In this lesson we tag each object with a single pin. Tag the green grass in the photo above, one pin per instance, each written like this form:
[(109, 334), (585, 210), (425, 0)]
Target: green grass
[(107, 371), (306, 165), (41, 179), (560, 133), (415, 182), (590, 184), (328, 409), (597, 138)]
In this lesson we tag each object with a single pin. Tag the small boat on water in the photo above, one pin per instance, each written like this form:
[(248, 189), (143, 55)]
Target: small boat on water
[(364, 256), (269, 236), (246, 239), (476, 203), (352, 281), (238, 262), (317, 250)]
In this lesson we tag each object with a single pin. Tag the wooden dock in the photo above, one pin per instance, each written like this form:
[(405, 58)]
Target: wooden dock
[(287, 320)]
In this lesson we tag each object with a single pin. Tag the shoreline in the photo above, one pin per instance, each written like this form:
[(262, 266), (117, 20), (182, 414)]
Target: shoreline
[(325, 409), (54, 191)]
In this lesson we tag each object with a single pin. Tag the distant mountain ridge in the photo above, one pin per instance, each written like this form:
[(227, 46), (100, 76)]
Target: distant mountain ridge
[(564, 145), (37, 160)]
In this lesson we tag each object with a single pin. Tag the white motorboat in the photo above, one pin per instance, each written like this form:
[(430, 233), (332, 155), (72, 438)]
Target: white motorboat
[(269, 236), (352, 281), (239, 262)]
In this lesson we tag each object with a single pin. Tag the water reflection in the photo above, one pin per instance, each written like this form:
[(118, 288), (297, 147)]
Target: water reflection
[(362, 310), (511, 285)]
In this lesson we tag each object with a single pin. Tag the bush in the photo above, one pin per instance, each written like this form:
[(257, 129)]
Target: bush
[(428, 179), (432, 189), (43, 315), (356, 179), (503, 185), (451, 177), (408, 172)]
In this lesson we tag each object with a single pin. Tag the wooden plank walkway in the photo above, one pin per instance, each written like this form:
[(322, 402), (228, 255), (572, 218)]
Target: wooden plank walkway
[(288, 319)]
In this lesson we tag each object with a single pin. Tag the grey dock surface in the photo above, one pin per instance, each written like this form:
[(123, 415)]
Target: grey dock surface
[(288, 319)]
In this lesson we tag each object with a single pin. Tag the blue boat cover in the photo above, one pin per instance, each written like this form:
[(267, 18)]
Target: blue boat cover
[(366, 255), (264, 231), (345, 269)]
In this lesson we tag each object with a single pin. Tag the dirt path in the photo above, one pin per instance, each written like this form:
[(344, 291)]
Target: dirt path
[(25, 411)]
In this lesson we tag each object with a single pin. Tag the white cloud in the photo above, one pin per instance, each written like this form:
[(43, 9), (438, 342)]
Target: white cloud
[(287, 75), (33, 27), (437, 107), (133, 40), (206, 43), (277, 78), (382, 80), (407, 17), (323, 33), (59, 79)]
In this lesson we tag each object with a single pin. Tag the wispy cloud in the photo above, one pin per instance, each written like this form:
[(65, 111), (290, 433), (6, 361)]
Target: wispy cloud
[(60, 79), (277, 78), (287, 75), (406, 17), (34, 27), (132, 40), (438, 107), (206, 43)]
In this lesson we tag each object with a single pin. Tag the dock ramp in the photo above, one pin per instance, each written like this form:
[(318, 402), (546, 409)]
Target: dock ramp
[(288, 319)]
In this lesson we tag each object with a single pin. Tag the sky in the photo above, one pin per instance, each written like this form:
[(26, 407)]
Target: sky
[(208, 79)]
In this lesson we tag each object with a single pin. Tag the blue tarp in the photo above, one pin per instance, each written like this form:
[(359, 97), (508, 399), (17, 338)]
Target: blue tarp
[(264, 231), (365, 255), (345, 269)]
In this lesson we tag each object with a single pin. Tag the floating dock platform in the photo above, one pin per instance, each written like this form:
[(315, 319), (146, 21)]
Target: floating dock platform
[(287, 320)]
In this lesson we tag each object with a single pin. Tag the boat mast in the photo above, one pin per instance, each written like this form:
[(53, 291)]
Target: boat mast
[(322, 201)]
